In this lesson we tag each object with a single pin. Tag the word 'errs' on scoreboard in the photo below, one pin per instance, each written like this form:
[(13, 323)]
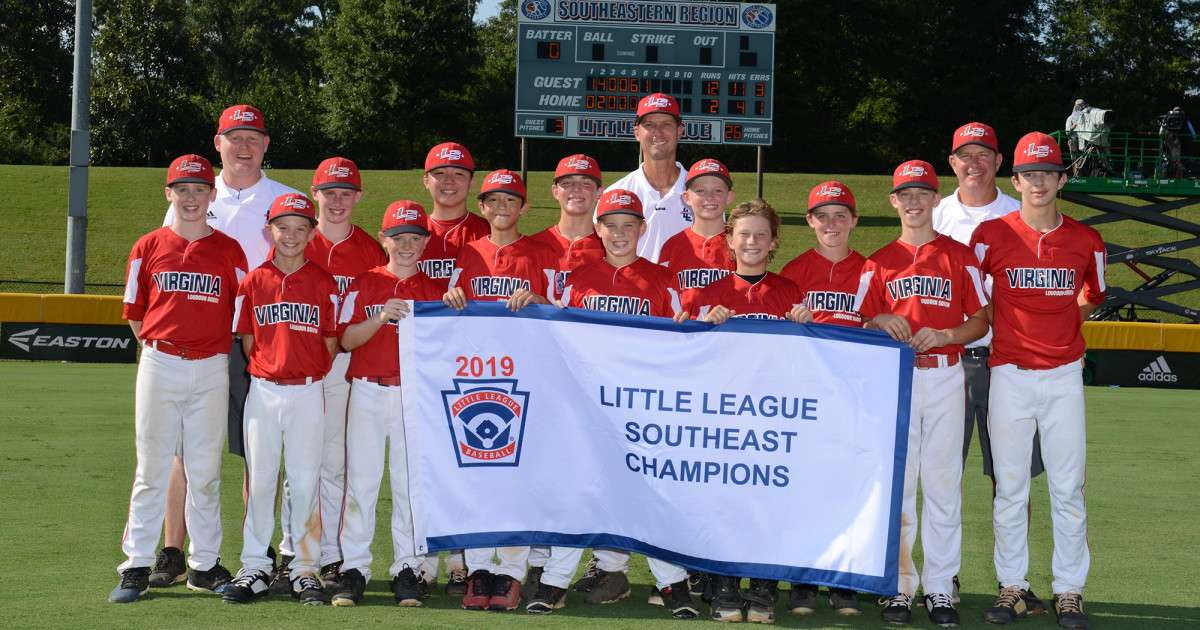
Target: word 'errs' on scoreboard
[(583, 65)]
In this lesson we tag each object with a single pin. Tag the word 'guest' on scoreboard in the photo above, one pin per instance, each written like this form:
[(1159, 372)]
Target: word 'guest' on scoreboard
[(583, 65)]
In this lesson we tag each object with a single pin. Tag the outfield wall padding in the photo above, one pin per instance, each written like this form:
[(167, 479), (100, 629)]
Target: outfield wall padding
[(61, 309), (1142, 336)]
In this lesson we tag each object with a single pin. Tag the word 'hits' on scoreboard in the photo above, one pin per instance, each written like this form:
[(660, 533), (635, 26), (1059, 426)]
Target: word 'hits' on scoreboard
[(583, 65)]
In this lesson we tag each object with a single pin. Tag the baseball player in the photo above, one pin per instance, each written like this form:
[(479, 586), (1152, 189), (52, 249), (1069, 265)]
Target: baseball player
[(700, 254), (573, 239), (287, 316), (179, 292), (244, 196), (659, 181), (623, 282), (924, 289), (1048, 276), (509, 267), (975, 158), (449, 177), (345, 251), (375, 302), (828, 277)]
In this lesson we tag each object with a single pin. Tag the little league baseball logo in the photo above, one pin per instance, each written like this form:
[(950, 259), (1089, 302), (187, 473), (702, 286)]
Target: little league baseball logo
[(487, 421), (757, 16), (535, 9), (687, 214)]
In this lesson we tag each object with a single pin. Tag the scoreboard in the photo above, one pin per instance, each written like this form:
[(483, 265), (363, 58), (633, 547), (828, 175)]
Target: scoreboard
[(583, 65)]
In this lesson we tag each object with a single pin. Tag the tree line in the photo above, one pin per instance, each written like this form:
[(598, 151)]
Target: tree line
[(860, 84)]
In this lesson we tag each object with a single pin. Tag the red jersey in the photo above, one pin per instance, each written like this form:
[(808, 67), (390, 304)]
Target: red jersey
[(770, 298), (379, 357), (828, 287), (1035, 280), (446, 238), (571, 254), (639, 288), (183, 291), (348, 257), (290, 315), (696, 260), (935, 285), (492, 273)]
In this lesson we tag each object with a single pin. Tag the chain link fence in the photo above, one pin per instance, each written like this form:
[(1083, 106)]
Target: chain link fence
[(29, 286)]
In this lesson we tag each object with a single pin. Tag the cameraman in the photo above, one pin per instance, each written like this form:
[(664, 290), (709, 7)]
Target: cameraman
[(1178, 139)]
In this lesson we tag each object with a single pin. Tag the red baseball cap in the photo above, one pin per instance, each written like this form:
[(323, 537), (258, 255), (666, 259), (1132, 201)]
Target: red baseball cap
[(292, 205), (241, 117), (502, 180), (657, 104), (1037, 151), (405, 216), (449, 154), (191, 169), (914, 174), (578, 164), (975, 133), (337, 172), (619, 201), (708, 166), (831, 193)]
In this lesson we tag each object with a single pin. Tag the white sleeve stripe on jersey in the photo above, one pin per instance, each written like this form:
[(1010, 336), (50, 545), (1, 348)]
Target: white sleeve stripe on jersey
[(550, 273), (565, 298), (131, 282), (347, 308), (676, 304), (981, 251), (703, 312), (864, 281), (977, 280), (335, 300), (240, 274), (454, 277), (237, 310), (1100, 266)]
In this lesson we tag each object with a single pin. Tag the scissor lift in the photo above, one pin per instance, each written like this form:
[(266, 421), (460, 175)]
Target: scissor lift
[(1133, 165)]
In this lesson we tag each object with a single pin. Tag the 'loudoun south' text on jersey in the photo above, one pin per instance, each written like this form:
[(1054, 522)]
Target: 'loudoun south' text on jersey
[(639, 288), (1036, 277), (290, 315), (829, 287)]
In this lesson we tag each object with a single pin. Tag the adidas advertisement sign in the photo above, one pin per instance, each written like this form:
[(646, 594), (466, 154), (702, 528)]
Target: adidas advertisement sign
[(81, 343), (1158, 371), (1145, 368)]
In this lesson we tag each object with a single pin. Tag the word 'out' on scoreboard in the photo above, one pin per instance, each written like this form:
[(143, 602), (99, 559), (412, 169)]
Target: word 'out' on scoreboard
[(583, 65)]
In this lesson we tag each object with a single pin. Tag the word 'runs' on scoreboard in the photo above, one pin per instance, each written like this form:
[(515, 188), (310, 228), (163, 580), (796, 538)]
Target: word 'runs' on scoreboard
[(583, 65)]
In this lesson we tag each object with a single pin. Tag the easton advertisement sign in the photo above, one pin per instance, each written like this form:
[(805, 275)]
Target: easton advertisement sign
[(81, 343)]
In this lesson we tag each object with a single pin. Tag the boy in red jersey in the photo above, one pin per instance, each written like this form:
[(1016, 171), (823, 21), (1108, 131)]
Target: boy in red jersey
[(370, 311), (449, 178), (623, 282), (828, 276), (1041, 263), (573, 239), (924, 289), (287, 316), (504, 266), (344, 250), (179, 293), (700, 254)]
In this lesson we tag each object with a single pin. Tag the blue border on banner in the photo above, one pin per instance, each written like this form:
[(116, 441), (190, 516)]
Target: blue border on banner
[(885, 584)]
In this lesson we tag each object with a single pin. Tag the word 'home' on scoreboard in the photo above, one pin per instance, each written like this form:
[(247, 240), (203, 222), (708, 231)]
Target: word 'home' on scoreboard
[(583, 65)]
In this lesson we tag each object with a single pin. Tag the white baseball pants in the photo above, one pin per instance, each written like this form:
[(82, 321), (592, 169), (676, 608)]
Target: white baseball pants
[(560, 565), (1051, 401), (665, 573), (177, 401), (512, 560)]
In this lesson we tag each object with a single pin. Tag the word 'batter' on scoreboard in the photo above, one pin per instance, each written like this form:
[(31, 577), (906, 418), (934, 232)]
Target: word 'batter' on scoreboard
[(583, 65)]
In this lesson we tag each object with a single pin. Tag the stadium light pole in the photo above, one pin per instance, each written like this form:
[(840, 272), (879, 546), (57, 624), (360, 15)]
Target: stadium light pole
[(80, 147)]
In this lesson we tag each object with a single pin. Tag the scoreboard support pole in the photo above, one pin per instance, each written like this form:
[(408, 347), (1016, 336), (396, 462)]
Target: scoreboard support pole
[(524, 171), (760, 172)]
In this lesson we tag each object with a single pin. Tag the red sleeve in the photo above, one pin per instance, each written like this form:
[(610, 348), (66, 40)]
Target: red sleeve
[(1094, 272), (244, 324), (329, 316)]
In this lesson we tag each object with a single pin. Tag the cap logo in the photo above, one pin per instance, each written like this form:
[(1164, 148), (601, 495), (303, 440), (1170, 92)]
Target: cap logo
[(708, 166), (577, 163), (1036, 150), (913, 171), (406, 214), (453, 155), (299, 203), (657, 101), (338, 171), (244, 116), (830, 191), (976, 132), (190, 167), (620, 199), (500, 178)]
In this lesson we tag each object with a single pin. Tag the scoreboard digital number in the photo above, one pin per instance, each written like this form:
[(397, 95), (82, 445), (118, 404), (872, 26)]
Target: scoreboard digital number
[(583, 65)]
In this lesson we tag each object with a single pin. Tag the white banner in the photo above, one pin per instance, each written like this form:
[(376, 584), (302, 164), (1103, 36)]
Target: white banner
[(755, 448)]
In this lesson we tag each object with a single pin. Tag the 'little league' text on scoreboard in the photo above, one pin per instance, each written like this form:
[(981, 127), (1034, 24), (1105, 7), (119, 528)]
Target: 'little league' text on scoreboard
[(583, 65)]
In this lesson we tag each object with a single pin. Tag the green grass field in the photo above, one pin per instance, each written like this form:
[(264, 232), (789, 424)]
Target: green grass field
[(125, 203), (68, 463)]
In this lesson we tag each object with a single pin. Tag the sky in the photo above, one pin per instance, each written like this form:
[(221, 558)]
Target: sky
[(487, 9)]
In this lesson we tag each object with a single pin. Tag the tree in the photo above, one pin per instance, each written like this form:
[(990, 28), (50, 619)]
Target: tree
[(36, 42), (396, 72)]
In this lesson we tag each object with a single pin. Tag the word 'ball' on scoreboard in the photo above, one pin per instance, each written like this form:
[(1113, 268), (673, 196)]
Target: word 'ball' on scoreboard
[(583, 65)]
